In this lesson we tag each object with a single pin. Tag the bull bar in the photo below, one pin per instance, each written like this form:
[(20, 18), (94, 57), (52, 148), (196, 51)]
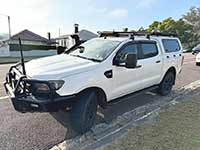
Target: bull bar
[(25, 99)]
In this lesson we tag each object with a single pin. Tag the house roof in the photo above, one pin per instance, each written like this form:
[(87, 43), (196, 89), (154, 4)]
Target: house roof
[(83, 34), (29, 36), (86, 35)]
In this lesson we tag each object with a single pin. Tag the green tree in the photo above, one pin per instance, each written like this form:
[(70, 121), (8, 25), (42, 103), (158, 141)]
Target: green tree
[(166, 25), (192, 17), (182, 28), (187, 28), (153, 26), (125, 29), (184, 32), (141, 29)]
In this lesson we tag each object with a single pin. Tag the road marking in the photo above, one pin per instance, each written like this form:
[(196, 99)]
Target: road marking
[(4, 97)]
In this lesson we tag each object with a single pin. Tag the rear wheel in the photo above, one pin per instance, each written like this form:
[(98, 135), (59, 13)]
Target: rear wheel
[(167, 83), (83, 113)]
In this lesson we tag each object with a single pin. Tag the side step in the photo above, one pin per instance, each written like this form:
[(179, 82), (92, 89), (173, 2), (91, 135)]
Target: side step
[(131, 95)]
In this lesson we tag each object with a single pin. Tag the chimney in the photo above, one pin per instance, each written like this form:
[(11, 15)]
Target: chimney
[(49, 36), (76, 28)]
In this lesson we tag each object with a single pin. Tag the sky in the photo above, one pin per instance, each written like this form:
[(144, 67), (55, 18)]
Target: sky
[(42, 16)]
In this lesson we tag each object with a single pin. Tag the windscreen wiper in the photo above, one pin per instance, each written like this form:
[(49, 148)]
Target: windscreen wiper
[(92, 59)]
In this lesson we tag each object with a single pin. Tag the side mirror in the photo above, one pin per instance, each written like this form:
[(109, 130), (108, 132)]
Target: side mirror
[(131, 60)]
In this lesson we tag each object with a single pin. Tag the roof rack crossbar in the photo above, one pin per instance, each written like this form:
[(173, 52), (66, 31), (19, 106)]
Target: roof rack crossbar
[(131, 34)]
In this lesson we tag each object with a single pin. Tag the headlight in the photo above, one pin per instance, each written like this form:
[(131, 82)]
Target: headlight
[(56, 84), (41, 88)]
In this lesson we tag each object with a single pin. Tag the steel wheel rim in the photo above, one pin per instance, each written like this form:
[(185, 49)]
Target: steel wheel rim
[(168, 83)]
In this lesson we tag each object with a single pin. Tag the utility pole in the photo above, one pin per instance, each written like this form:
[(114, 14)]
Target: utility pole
[(9, 28), (59, 32)]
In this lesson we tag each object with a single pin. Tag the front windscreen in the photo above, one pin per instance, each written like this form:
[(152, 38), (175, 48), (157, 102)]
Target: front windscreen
[(95, 49)]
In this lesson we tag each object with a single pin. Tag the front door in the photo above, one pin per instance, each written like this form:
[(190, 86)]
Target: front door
[(126, 80)]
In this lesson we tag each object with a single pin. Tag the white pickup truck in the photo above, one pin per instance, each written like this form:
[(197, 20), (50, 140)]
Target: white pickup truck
[(94, 73)]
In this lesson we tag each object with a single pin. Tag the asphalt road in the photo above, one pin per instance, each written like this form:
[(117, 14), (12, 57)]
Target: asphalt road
[(43, 130)]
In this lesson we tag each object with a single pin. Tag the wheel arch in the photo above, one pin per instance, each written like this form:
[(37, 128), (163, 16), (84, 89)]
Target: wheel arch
[(173, 70), (101, 95)]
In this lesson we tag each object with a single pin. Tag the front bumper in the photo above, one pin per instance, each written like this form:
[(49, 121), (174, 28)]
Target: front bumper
[(23, 99), (30, 104)]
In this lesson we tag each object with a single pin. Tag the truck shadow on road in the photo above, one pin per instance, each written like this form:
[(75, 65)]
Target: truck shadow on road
[(64, 119), (110, 113)]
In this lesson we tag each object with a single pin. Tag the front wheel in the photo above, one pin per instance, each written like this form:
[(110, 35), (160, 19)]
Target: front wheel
[(167, 83), (83, 113)]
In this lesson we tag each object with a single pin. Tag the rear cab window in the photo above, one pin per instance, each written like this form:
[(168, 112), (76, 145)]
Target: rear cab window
[(171, 45), (149, 49)]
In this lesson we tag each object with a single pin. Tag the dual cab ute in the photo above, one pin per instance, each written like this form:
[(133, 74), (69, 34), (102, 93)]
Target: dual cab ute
[(95, 73)]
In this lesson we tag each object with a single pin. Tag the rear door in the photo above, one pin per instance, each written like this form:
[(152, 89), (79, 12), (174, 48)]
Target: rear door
[(151, 63)]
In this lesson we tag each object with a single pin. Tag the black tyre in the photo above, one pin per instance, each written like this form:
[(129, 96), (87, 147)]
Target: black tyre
[(167, 83), (83, 113)]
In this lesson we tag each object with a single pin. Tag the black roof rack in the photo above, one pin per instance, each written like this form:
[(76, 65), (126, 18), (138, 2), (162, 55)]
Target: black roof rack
[(132, 34)]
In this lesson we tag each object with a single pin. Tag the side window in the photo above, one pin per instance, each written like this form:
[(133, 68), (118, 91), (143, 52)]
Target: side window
[(121, 55), (171, 45), (149, 50)]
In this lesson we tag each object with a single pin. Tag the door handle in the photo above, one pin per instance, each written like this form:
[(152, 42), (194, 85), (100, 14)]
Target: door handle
[(167, 56), (180, 55), (158, 61), (174, 55)]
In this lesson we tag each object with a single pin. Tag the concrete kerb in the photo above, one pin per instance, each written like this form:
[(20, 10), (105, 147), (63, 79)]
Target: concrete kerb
[(104, 133)]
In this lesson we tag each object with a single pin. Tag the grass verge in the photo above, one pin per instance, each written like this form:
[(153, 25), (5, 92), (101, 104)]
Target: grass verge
[(178, 128)]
